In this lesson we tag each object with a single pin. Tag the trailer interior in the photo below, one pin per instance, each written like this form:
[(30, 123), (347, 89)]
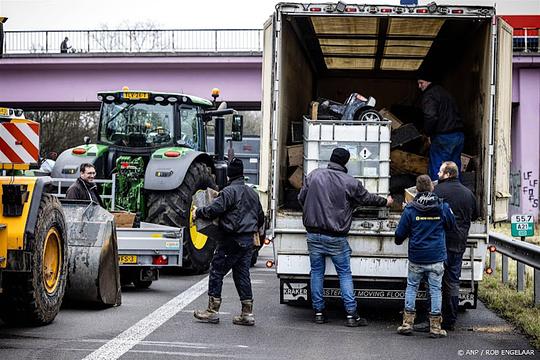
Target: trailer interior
[(380, 56)]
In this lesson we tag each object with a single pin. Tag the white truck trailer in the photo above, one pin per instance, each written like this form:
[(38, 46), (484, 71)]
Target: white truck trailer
[(332, 50)]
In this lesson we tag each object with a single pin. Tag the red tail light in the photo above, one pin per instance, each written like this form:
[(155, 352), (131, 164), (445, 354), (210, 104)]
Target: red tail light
[(160, 260), (386, 10), (79, 151), (350, 9), (315, 9), (421, 11), (457, 11)]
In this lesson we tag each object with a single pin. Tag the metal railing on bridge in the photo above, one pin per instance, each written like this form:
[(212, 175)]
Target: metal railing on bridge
[(524, 253), (134, 41), (526, 40)]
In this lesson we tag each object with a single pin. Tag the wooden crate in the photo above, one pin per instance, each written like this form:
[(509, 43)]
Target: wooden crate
[(406, 162), (396, 123), (123, 219)]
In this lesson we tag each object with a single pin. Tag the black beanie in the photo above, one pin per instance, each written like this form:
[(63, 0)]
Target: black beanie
[(235, 168), (426, 75), (340, 156)]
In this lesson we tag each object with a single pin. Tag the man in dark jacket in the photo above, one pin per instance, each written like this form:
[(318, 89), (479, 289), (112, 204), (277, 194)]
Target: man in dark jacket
[(328, 198), (442, 123), (424, 221), (463, 203), (240, 217), (85, 188)]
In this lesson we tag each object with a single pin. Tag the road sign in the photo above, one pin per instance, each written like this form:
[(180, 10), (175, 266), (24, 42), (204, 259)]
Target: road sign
[(522, 225)]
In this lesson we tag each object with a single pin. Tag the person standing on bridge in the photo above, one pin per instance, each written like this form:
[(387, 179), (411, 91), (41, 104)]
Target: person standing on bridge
[(240, 217), (424, 221), (328, 198), (65, 46)]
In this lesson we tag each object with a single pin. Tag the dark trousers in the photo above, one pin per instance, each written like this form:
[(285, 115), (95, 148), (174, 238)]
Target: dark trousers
[(452, 273), (230, 255)]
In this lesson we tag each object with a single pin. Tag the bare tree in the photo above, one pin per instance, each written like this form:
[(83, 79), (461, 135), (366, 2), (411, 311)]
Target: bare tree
[(61, 130), (139, 36)]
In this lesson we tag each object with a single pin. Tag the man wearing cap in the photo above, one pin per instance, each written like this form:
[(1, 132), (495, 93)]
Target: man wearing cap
[(328, 198), (442, 123), (240, 216)]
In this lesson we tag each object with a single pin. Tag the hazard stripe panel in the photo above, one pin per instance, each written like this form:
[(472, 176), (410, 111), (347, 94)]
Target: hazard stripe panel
[(19, 142)]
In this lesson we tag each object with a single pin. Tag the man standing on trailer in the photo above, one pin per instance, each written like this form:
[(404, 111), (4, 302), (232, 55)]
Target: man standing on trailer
[(442, 123), (328, 198), (463, 204)]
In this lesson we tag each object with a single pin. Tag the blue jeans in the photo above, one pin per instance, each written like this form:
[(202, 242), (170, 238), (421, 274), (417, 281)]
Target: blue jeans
[(338, 249), (434, 273), (445, 147), (450, 292)]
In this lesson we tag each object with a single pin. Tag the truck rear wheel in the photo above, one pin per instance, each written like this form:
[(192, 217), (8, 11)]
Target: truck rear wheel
[(35, 297), (174, 208)]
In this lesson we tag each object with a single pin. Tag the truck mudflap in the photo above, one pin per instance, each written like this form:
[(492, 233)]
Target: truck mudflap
[(93, 272), (297, 290)]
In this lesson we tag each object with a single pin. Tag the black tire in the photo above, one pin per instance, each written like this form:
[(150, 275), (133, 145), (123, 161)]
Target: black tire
[(28, 298), (142, 284), (370, 115), (173, 208)]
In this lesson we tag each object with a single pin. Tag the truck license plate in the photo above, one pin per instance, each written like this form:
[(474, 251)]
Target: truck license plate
[(127, 259)]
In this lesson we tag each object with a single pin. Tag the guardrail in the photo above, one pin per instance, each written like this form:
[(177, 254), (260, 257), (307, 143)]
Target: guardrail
[(526, 40), (524, 253), (134, 41)]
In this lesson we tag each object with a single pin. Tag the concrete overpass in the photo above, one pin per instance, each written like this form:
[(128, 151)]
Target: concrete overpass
[(71, 81)]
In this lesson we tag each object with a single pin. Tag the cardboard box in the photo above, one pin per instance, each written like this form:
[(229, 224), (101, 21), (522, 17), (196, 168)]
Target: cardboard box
[(465, 159), (295, 154), (296, 179), (405, 162), (396, 123), (201, 199), (123, 219)]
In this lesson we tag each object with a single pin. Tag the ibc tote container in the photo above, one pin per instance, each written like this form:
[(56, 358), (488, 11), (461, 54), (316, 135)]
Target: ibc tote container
[(367, 141)]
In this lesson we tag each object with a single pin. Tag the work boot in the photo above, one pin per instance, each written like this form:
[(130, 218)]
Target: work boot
[(435, 330), (320, 317), (408, 322), (246, 317), (210, 315), (354, 320)]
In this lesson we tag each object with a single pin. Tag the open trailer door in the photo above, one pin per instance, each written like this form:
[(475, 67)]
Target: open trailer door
[(502, 124)]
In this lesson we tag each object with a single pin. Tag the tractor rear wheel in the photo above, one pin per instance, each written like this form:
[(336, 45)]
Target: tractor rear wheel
[(174, 208), (35, 297)]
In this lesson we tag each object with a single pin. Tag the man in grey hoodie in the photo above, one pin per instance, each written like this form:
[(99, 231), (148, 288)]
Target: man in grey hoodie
[(328, 198)]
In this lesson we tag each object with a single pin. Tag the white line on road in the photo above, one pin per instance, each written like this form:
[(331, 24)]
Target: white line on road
[(128, 339)]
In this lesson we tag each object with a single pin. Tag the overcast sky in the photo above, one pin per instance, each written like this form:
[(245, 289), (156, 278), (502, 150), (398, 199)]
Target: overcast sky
[(178, 14)]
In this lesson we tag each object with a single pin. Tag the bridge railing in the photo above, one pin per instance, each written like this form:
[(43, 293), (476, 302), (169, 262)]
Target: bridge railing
[(524, 253), (526, 40), (134, 41)]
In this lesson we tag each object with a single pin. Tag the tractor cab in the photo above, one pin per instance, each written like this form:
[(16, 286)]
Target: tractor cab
[(141, 121)]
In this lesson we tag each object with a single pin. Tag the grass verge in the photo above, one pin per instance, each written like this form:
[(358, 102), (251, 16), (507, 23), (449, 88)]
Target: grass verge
[(516, 307)]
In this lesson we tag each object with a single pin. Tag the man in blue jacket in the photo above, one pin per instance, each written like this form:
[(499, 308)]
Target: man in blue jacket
[(424, 222), (328, 199)]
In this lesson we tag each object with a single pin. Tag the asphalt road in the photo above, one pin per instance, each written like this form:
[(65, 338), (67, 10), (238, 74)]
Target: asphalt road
[(158, 323)]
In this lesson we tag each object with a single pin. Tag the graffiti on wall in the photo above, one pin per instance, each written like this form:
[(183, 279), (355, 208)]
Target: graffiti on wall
[(529, 188), (515, 188)]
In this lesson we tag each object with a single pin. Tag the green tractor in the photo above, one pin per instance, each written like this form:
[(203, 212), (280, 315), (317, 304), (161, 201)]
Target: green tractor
[(155, 144)]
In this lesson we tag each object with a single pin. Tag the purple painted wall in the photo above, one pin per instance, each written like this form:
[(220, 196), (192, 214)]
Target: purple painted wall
[(78, 79), (525, 167)]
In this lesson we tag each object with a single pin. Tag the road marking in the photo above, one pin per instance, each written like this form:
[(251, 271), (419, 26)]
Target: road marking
[(121, 344)]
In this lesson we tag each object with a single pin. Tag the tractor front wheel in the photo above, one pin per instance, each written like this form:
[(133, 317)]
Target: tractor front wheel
[(174, 208)]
